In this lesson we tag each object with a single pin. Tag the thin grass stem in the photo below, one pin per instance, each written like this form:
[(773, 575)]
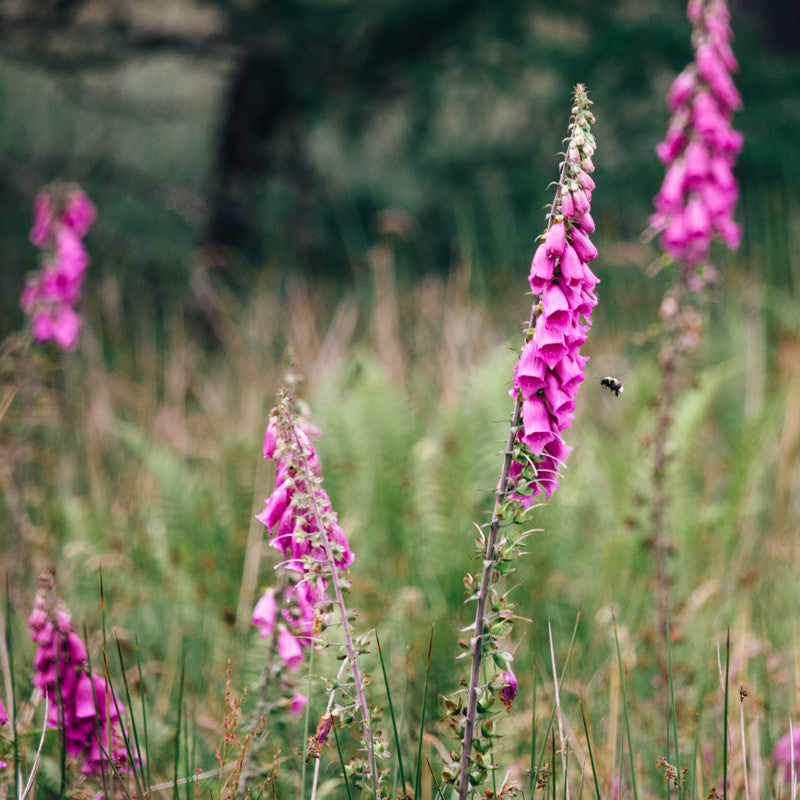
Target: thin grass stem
[(391, 713), (559, 717), (625, 711), (418, 773), (591, 755), (674, 709)]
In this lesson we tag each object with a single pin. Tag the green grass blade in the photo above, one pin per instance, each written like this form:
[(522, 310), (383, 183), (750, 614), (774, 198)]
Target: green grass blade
[(341, 761), (549, 727), (437, 783), (12, 709), (625, 710), (418, 773), (725, 719), (591, 755), (391, 714), (146, 767), (134, 753), (532, 762), (672, 701), (177, 751)]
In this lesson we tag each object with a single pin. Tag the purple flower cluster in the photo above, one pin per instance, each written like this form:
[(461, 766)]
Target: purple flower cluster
[(62, 216), (699, 193), (550, 367), (80, 701), (304, 528)]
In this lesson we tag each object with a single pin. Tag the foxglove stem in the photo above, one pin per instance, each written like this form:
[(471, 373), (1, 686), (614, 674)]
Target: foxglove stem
[(348, 638), (567, 198)]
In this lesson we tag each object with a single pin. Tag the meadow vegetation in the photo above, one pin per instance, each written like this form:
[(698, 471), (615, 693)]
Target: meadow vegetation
[(133, 467)]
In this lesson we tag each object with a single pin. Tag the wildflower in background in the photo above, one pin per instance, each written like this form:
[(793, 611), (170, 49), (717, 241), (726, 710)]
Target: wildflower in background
[(699, 193), (62, 215), (782, 754), (82, 703), (304, 528), (550, 367), (693, 208)]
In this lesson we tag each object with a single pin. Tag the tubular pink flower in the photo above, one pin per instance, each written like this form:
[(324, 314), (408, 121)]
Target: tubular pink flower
[(264, 614), (506, 684), (536, 423), (289, 650), (299, 702), (555, 239)]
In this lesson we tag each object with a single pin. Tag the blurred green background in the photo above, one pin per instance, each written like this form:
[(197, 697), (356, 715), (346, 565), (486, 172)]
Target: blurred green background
[(288, 137), (365, 182)]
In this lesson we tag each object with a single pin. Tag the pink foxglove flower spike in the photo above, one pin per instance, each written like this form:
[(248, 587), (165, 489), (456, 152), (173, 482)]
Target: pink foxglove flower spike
[(304, 528), (80, 701), (699, 193), (62, 215), (546, 380)]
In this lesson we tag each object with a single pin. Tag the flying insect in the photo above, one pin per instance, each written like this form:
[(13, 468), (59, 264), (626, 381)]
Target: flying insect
[(612, 384)]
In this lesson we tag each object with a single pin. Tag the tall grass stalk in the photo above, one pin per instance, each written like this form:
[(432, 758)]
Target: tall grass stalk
[(626, 718), (421, 734), (673, 707), (562, 740), (398, 749), (742, 694)]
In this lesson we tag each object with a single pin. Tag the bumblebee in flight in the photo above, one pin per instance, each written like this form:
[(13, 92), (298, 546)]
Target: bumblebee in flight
[(612, 384)]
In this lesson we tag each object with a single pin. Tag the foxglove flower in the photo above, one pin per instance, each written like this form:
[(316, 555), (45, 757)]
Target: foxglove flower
[(506, 687), (696, 202), (62, 215), (80, 701), (304, 528), (550, 367), (782, 754)]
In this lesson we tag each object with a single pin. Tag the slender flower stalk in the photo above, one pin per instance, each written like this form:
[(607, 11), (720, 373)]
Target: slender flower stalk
[(546, 379), (304, 528), (693, 208), (62, 215)]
